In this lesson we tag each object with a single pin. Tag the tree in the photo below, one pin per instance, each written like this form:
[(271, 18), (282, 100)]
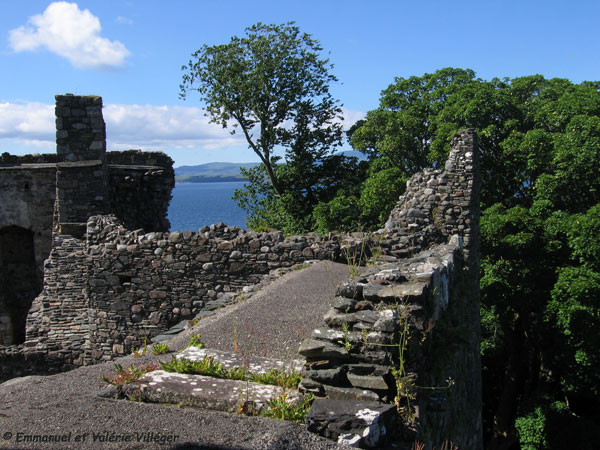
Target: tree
[(274, 87), (540, 237)]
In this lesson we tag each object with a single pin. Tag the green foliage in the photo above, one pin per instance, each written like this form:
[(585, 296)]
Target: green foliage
[(531, 429), (160, 349), (273, 86), (196, 341), (574, 313), (363, 206), (540, 232), (582, 233), (551, 425), (280, 408), (208, 367)]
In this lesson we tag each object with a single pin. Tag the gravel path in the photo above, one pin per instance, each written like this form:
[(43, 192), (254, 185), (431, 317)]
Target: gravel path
[(274, 321), (69, 406)]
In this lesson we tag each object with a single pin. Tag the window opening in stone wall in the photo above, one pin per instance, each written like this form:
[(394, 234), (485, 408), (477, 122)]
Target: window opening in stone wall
[(19, 284)]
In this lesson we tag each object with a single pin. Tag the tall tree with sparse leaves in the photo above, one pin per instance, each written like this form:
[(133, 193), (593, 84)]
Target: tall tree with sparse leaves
[(273, 86)]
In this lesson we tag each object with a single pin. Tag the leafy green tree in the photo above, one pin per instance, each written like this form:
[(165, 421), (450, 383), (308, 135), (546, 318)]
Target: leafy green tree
[(274, 87), (539, 153)]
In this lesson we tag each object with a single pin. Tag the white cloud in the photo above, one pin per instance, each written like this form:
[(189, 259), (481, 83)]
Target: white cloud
[(351, 117), (124, 20), (74, 34), (132, 126), (149, 127), (28, 121)]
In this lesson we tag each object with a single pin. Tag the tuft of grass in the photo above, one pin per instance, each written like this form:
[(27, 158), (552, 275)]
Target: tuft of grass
[(446, 445), (208, 367), (280, 408), (160, 349), (195, 341), (277, 378), (193, 322)]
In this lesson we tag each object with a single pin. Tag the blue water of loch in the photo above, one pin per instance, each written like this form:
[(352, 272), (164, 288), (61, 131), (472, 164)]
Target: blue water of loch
[(197, 204)]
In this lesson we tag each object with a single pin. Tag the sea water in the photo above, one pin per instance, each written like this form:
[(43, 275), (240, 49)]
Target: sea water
[(195, 205)]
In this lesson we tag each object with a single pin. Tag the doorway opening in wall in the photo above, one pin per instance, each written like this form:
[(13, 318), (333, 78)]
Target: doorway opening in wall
[(19, 284)]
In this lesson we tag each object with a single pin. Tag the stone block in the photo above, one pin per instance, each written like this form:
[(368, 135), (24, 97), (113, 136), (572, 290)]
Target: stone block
[(350, 422), (368, 382)]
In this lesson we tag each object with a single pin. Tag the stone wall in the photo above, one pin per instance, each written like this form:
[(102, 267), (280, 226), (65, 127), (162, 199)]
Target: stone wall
[(439, 203), (407, 329), (27, 192), (140, 185), (134, 185), (137, 285), (81, 176)]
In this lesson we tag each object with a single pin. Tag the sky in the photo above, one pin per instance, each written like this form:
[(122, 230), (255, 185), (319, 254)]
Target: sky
[(130, 53)]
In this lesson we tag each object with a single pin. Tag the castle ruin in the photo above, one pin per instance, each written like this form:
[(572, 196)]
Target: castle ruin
[(89, 272)]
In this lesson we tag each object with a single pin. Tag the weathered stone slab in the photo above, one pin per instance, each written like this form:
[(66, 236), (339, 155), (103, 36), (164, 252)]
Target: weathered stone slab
[(204, 392), (229, 360), (368, 382), (398, 292)]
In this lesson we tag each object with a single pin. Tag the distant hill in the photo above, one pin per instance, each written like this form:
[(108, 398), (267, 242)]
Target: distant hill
[(353, 153), (224, 171), (211, 172)]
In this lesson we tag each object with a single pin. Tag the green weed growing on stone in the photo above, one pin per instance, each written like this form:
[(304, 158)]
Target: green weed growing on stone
[(354, 259), (195, 341), (446, 445), (208, 367), (125, 376), (142, 350), (277, 378), (194, 322), (160, 349), (345, 341), (280, 408)]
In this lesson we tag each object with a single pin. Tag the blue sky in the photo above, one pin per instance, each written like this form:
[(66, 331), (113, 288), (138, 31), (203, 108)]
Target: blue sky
[(131, 53)]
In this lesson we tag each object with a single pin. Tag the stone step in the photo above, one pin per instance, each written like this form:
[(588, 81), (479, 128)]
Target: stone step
[(230, 360), (206, 392)]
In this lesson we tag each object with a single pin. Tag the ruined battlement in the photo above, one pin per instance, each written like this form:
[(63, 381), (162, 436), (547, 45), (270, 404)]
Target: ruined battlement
[(42, 193), (90, 228)]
